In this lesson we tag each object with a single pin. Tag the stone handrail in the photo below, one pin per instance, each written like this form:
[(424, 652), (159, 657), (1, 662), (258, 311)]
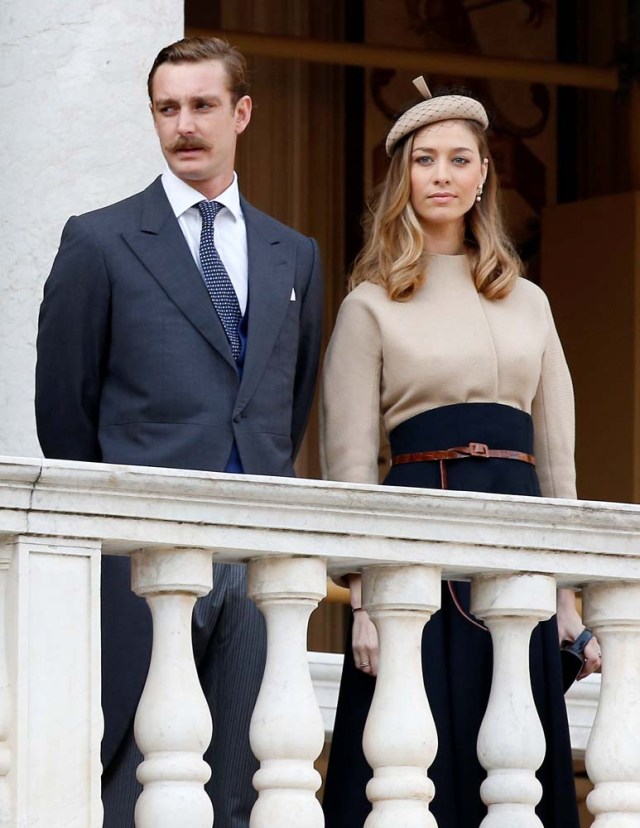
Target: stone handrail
[(57, 518)]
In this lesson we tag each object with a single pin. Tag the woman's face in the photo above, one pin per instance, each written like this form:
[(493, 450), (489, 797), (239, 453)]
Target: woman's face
[(446, 171)]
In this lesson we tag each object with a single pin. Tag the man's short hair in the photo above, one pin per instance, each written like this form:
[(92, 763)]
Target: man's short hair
[(197, 49)]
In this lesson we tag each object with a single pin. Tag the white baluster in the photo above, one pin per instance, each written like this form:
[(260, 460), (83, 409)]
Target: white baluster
[(287, 732), (173, 723), (511, 742), (612, 611), (5, 694), (400, 740)]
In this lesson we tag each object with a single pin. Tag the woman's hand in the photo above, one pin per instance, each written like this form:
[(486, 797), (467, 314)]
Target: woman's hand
[(364, 638), (364, 641), (569, 628)]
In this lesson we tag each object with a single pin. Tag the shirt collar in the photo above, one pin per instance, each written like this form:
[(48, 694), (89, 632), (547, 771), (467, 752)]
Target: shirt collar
[(181, 196)]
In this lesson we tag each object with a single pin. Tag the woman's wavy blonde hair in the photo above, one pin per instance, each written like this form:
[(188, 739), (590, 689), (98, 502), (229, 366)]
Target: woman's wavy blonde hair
[(393, 254)]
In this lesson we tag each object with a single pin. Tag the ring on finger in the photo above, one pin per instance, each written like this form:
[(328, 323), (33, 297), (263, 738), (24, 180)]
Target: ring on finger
[(365, 664)]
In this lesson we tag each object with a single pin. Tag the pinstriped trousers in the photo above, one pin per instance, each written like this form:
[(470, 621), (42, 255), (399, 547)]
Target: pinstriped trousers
[(230, 648)]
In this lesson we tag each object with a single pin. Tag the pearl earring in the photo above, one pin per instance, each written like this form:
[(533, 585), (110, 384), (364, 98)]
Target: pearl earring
[(479, 193)]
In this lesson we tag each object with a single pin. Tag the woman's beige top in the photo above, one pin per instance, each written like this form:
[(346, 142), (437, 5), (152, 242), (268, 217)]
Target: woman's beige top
[(447, 344)]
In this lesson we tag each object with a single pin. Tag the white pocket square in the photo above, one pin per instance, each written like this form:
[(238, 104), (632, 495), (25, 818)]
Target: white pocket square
[(293, 295)]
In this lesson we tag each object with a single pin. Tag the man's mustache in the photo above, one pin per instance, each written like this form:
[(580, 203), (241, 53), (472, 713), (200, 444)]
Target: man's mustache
[(186, 143)]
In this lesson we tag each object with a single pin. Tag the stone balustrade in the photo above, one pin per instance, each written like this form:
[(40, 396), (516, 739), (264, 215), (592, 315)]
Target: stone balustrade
[(57, 518)]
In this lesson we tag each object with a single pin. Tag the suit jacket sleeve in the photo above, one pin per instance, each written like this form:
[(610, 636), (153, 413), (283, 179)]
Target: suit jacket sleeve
[(311, 314), (71, 347)]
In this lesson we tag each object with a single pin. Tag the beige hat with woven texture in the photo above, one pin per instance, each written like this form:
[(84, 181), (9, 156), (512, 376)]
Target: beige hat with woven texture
[(431, 110)]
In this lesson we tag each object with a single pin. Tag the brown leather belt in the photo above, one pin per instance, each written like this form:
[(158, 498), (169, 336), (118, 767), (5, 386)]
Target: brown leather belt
[(460, 453)]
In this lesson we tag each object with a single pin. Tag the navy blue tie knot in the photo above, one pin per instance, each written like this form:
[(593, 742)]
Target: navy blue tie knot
[(209, 209), (217, 279)]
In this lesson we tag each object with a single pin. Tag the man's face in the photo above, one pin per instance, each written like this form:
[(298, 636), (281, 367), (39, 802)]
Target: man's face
[(197, 123)]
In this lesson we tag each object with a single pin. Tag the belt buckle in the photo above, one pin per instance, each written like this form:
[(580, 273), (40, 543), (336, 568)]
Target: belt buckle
[(478, 449)]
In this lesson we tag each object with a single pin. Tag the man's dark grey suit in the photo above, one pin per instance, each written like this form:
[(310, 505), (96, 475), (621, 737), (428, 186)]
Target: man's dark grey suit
[(134, 367)]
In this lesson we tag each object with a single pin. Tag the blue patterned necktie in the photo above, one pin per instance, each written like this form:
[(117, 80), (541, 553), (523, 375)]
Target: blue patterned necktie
[(217, 279)]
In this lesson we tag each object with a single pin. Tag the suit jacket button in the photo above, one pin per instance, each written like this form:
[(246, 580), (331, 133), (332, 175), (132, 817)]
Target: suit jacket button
[(237, 418)]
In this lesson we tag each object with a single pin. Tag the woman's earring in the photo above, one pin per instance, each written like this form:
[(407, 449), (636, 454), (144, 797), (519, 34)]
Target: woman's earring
[(479, 193)]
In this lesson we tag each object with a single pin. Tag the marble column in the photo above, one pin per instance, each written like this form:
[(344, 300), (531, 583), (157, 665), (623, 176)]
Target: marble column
[(612, 611), (173, 723), (400, 740), (77, 135), (511, 741), (287, 732)]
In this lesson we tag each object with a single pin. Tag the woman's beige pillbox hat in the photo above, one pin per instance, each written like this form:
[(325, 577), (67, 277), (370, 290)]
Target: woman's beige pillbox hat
[(431, 110)]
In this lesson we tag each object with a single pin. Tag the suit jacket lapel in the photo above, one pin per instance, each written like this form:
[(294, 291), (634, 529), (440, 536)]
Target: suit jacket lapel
[(271, 281), (162, 249)]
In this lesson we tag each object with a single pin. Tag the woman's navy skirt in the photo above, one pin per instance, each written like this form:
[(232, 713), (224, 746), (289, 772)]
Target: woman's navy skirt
[(456, 654)]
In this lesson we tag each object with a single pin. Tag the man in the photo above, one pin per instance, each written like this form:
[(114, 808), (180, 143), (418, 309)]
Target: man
[(181, 328)]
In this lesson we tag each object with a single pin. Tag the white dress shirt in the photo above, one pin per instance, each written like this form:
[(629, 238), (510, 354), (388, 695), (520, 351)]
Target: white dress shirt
[(230, 232)]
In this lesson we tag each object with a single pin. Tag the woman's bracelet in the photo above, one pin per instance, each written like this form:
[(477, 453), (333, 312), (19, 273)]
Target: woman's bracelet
[(356, 609)]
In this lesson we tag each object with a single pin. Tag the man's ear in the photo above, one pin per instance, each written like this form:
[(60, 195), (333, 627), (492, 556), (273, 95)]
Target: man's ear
[(242, 113)]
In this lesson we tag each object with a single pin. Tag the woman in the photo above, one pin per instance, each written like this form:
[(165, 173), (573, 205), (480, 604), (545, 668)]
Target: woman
[(444, 341)]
